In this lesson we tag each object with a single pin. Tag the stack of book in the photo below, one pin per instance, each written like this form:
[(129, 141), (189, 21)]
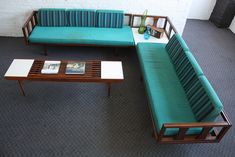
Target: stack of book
[(51, 67), (75, 68)]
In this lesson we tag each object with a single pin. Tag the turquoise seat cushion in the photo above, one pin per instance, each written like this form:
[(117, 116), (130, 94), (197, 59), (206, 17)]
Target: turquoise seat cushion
[(49, 17), (81, 17), (83, 35), (166, 95), (110, 18)]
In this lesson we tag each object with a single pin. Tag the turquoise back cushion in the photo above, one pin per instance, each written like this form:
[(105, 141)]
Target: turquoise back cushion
[(186, 68), (81, 17), (204, 101), (175, 45), (52, 17), (184, 62), (110, 18)]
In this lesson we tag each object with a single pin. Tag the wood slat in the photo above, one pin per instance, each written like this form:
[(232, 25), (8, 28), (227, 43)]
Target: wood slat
[(181, 134), (92, 72), (204, 133)]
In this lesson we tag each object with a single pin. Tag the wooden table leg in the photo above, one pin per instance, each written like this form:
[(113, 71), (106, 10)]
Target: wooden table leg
[(141, 78), (21, 87), (45, 50), (109, 89), (116, 51)]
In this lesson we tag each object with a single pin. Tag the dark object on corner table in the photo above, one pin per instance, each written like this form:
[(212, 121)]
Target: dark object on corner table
[(156, 32), (223, 13)]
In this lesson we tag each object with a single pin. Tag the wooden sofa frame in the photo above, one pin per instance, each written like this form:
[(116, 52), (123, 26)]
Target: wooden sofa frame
[(206, 135), (32, 22)]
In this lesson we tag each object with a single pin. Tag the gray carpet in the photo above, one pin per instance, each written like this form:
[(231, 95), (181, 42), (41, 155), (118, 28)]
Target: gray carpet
[(78, 119)]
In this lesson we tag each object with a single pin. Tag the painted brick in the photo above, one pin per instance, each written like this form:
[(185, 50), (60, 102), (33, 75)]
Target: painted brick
[(14, 12)]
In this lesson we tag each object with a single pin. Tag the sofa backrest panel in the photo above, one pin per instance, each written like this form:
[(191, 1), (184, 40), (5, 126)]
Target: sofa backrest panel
[(176, 41), (217, 104), (185, 64), (203, 100), (185, 69), (110, 18), (81, 17), (52, 17)]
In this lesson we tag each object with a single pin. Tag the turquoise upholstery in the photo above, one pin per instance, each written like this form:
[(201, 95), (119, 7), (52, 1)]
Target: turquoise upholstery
[(176, 39), (175, 47), (214, 102), (83, 35), (81, 26), (110, 18), (177, 89), (52, 17), (81, 17), (189, 71), (167, 98)]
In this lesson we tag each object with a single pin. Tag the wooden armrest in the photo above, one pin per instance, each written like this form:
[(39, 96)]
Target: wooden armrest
[(194, 125), (205, 134), (130, 18), (170, 29), (29, 25)]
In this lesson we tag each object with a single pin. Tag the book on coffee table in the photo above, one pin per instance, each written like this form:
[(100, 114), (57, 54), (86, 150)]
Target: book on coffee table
[(75, 68), (51, 67)]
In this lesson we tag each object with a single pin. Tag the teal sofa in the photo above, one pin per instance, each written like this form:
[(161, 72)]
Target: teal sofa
[(184, 107), (78, 27)]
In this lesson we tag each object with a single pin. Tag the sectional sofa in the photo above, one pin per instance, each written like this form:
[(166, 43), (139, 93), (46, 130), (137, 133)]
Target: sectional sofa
[(183, 105)]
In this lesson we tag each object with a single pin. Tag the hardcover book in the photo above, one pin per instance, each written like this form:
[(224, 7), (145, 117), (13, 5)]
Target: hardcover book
[(75, 68), (51, 67)]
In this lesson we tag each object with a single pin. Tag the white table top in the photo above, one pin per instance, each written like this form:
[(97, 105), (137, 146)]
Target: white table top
[(111, 70), (19, 68), (140, 38)]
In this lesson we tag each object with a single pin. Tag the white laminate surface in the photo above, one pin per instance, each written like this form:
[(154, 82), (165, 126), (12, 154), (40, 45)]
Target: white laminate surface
[(19, 68), (111, 70)]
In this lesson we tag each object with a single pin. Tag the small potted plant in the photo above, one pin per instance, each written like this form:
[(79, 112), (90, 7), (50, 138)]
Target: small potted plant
[(142, 24)]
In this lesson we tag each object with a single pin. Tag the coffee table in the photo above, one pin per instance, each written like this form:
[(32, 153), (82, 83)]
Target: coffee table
[(95, 71)]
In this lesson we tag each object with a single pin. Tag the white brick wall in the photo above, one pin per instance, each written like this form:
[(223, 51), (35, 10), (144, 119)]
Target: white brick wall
[(13, 13)]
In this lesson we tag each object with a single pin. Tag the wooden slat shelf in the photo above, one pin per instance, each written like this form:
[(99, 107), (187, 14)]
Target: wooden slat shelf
[(92, 71)]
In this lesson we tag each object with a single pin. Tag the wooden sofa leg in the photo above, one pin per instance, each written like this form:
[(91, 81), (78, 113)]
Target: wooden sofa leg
[(116, 51), (45, 50), (141, 78), (153, 134)]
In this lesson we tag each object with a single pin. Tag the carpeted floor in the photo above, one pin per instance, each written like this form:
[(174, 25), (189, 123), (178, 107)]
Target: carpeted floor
[(78, 119)]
